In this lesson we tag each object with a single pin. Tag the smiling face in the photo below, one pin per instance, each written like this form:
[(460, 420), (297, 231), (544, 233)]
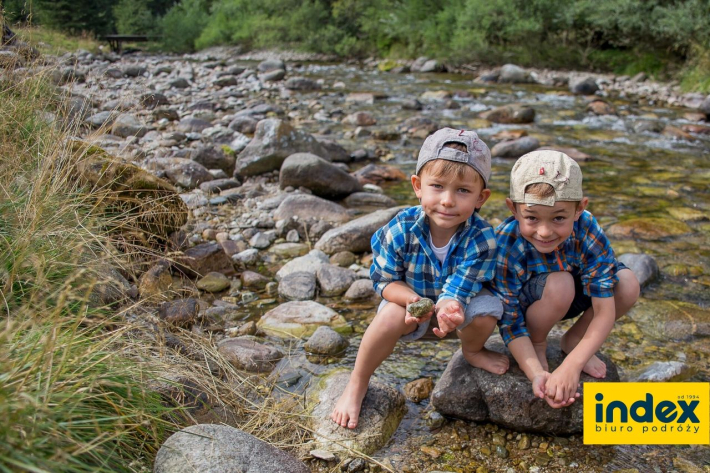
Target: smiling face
[(546, 227), (448, 199)]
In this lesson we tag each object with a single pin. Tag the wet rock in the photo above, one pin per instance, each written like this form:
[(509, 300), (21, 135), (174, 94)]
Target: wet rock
[(298, 286), (382, 410), (515, 148), (213, 282), (643, 266), (206, 258), (274, 140), (412, 104), (355, 235), (318, 175), (674, 132), (661, 371), (476, 395), (360, 290), (326, 341), (290, 249), (506, 135), (301, 319), (435, 95), (432, 65), (360, 119), (181, 312), (361, 97), (687, 214), (645, 126), (650, 228), (583, 86), (248, 354), (419, 389), (376, 174), (308, 263), (675, 320), (334, 280), (510, 114), (156, 282), (213, 448)]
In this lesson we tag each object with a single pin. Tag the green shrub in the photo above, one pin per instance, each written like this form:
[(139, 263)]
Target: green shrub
[(133, 17), (183, 24)]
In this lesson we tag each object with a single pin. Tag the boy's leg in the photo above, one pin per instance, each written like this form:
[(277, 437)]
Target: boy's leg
[(473, 337), (482, 313), (626, 293), (543, 314), (377, 344)]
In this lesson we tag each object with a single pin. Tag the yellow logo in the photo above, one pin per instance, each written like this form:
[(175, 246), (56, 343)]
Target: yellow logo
[(646, 413)]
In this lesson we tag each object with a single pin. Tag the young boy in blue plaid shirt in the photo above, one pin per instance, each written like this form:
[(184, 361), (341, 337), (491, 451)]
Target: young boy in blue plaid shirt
[(553, 263), (441, 250)]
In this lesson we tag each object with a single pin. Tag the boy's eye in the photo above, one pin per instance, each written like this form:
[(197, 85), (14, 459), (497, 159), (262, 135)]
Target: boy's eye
[(464, 191), (531, 219), (559, 219), (436, 186)]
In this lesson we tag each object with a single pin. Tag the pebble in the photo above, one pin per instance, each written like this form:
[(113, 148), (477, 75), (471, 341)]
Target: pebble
[(501, 451)]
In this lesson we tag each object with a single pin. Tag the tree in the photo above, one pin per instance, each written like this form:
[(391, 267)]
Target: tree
[(76, 16)]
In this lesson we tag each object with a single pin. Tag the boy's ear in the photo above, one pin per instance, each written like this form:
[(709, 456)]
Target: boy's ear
[(511, 206), (417, 185), (580, 208), (483, 197)]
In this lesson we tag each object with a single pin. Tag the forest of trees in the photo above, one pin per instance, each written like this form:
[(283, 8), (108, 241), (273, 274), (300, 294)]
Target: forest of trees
[(657, 36)]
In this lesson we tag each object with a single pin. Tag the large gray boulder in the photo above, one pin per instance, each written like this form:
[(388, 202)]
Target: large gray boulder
[(515, 148), (510, 114), (308, 264), (298, 287), (512, 74), (355, 235), (320, 176), (382, 410), (584, 86), (274, 140), (211, 448), (305, 206), (476, 395), (334, 280)]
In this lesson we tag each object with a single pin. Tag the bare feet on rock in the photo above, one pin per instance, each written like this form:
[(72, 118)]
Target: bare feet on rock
[(487, 360), (347, 409)]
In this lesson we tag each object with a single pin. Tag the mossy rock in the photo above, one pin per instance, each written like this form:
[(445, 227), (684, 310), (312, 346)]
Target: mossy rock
[(135, 201), (651, 228), (302, 318), (687, 214)]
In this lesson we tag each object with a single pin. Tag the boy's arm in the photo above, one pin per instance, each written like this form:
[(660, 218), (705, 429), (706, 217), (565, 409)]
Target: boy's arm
[(564, 380), (400, 293)]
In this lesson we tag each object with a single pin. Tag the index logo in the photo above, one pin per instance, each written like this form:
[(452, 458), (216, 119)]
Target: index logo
[(646, 413)]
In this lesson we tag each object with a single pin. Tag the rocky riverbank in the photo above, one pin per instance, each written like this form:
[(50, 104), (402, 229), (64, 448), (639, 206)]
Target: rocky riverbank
[(269, 265)]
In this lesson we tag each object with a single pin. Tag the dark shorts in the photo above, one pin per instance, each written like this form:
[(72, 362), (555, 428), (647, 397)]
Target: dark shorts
[(532, 291)]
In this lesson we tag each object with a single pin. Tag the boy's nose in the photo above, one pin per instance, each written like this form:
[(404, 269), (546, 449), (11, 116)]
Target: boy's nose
[(447, 200), (544, 231)]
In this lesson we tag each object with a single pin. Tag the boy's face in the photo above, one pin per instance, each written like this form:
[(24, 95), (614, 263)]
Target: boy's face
[(546, 227), (448, 200)]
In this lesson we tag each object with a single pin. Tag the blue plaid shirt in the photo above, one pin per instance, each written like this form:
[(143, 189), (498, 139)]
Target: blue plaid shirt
[(401, 252), (587, 253)]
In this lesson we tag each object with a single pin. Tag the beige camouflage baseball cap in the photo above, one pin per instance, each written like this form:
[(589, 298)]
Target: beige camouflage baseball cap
[(549, 167), (478, 155)]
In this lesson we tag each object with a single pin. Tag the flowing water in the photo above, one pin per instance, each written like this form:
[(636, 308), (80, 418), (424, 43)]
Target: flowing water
[(632, 175)]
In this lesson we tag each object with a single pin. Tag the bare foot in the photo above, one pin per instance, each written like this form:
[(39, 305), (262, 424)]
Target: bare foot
[(595, 367), (487, 360), (347, 409), (541, 352)]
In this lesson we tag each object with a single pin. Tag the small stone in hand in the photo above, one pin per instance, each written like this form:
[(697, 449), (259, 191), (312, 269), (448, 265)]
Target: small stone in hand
[(420, 308)]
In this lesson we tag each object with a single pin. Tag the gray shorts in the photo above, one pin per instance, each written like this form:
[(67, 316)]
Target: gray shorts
[(532, 291), (482, 304)]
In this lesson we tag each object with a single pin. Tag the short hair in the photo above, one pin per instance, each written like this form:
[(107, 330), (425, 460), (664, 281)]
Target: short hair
[(541, 190), (445, 168)]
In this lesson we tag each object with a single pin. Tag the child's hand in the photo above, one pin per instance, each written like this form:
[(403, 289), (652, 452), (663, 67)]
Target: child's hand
[(561, 387), (449, 316), (409, 319), (539, 388)]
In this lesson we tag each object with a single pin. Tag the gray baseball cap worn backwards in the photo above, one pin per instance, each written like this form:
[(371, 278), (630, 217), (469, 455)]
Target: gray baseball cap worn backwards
[(478, 155), (549, 167)]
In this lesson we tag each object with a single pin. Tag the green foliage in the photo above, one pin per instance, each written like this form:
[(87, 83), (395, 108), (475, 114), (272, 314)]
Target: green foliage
[(76, 16), (133, 17), (183, 24)]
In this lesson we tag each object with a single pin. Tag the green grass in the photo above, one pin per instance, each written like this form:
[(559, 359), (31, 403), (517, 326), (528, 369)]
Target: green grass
[(55, 42)]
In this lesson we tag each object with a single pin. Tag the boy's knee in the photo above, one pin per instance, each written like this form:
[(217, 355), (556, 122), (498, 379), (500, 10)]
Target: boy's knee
[(628, 289), (559, 289)]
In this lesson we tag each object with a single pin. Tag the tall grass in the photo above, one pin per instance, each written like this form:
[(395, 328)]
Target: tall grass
[(68, 401), (82, 388)]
